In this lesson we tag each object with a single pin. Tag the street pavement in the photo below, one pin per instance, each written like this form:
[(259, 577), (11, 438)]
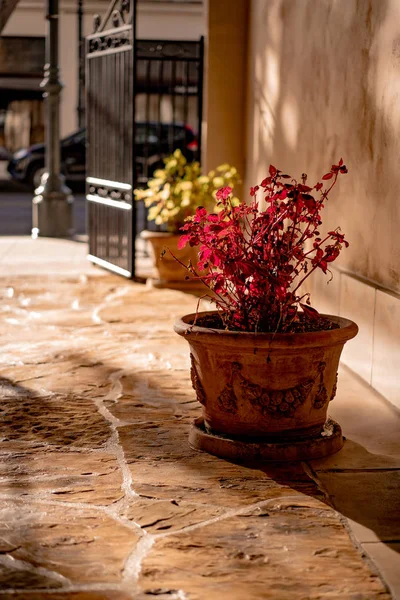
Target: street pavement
[(16, 209), (20, 254)]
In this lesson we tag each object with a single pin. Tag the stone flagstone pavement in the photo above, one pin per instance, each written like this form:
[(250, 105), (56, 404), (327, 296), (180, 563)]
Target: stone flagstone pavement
[(101, 497)]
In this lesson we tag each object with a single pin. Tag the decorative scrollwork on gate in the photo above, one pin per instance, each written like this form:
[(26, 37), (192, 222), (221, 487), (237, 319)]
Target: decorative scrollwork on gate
[(149, 49), (109, 40), (119, 13), (104, 191)]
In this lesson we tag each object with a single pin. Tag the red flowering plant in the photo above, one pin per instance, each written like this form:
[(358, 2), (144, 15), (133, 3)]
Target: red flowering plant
[(256, 261)]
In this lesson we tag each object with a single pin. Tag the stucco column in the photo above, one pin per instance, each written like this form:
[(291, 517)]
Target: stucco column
[(224, 122), (52, 204)]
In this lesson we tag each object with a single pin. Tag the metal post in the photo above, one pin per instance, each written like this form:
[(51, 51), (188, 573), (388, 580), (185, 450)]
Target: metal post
[(53, 201), (81, 69)]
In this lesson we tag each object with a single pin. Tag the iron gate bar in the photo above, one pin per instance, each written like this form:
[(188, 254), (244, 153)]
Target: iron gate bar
[(110, 210), (200, 96), (133, 75), (105, 182), (110, 267), (108, 202)]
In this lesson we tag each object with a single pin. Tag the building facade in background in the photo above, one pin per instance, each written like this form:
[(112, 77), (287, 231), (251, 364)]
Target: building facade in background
[(22, 57)]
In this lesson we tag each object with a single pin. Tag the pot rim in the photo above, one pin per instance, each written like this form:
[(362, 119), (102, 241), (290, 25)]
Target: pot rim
[(328, 337), (146, 234)]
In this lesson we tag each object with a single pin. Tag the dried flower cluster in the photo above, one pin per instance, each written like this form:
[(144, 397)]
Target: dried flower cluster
[(257, 260)]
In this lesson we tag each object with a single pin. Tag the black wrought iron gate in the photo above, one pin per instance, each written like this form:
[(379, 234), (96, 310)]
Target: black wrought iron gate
[(143, 100), (110, 129)]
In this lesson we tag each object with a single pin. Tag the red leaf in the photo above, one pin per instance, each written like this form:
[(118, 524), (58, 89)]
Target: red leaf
[(204, 253), (223, 193), (323, 265), (223, 233), (310, 203), (183, 240), (340, 162), (254, 190), (328, 176), (200, 213), (272, 171), (309, 311)]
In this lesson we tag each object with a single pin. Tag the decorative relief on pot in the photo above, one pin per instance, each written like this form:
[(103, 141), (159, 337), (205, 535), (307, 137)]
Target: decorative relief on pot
[(275, 403), (334, 388), (227, 400), (196, 383), (321, 397)]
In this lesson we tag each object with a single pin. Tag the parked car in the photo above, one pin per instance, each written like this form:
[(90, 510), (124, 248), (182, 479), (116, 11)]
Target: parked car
[(153, 142)]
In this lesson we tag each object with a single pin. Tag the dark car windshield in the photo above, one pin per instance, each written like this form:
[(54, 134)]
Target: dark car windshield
[(146, 133), (79, 137)]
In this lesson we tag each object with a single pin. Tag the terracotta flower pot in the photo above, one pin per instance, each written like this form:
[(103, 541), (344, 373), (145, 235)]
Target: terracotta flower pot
[(166, 270), (262, 386)]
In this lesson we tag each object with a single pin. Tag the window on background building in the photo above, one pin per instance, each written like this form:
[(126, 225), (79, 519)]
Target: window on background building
[(21, 104)]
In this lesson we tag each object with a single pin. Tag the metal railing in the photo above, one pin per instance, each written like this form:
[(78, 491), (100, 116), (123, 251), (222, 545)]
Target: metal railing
[(168, 104)]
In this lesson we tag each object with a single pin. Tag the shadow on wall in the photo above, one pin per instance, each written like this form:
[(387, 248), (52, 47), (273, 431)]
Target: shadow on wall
[(324, 82), (324, 79)]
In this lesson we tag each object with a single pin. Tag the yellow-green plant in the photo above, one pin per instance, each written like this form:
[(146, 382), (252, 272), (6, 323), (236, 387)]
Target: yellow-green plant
[(179, 189)]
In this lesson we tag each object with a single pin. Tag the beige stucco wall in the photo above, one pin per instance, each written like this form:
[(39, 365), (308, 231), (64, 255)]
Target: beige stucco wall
[(324, 82), (225, 79), (168, 21)]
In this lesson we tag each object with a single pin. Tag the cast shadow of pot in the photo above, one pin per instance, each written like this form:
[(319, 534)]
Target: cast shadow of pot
[(364, 487)]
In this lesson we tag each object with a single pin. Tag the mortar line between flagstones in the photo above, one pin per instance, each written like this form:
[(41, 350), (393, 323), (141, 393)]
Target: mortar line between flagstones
[(111, 510), (133, 562), (83, 587), (109, 298), (90, 587), (113, 443)]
